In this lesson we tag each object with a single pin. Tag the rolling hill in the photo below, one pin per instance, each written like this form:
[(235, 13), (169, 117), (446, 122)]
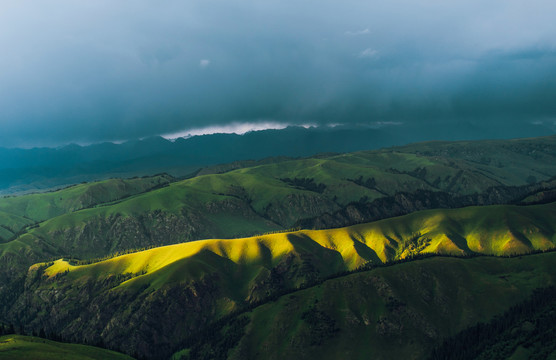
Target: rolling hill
[(18, 347), (26, 170), (397, 312), (17, 212), (179, 288), (319, 192), (399, 203)]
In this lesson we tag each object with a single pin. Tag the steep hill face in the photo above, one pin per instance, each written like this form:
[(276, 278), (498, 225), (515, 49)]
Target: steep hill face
[(403, 203), (18, 212), (525, 331), (20, 216), (398, 312), (170, 292)]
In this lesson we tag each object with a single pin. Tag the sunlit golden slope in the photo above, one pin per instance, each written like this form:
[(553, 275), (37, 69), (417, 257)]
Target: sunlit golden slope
[(495, 230)]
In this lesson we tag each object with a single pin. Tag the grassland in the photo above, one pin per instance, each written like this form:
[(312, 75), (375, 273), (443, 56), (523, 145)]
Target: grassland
[(19, 347), (213, 278), (18, 212), (167, 292), (397, 312), (257, 199), (492, 230)]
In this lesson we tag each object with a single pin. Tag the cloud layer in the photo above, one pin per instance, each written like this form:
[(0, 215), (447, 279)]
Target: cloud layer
[(101, 70)]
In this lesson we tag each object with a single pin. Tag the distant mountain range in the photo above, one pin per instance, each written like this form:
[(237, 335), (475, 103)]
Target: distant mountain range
[(36, 169)]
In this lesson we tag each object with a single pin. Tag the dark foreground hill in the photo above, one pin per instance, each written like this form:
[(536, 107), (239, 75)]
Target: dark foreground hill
[(398, 312), (167, 294)]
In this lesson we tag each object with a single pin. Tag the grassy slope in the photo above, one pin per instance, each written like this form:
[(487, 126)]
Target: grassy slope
[(173, 200), (244, 270), (215, 277), (18, 212), (254, 200), (492, 156), (495, 230), (525, 331), (26, 347), (397, 312)]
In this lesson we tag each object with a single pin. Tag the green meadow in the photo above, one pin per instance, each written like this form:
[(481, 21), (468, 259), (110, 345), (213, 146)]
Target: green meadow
[(17, 212), (19, 347)]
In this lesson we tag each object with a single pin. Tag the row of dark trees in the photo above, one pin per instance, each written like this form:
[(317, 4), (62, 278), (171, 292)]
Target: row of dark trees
[(305, 184), (530, 325), (10, 329)]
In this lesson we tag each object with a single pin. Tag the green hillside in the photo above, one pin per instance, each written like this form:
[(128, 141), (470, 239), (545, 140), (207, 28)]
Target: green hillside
[(209, 279), (273, 196), (495, 154), (17, 212), (397, 312), (19, 347), (526, 331), (490, 230)]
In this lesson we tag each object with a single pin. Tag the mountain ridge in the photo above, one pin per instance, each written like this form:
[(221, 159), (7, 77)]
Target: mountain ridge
[(216, 277), (34, 169)]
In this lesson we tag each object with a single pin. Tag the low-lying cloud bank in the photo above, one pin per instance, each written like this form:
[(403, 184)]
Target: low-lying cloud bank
[(91, 71)]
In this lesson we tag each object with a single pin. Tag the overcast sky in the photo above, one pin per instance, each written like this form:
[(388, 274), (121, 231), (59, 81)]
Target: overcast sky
[(88, 71)]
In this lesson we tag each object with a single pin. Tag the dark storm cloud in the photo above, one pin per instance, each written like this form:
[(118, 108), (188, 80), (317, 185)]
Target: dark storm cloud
[(98, 70)]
